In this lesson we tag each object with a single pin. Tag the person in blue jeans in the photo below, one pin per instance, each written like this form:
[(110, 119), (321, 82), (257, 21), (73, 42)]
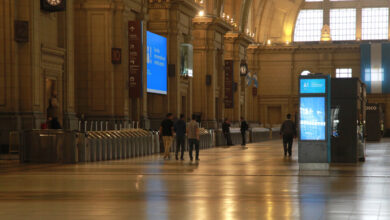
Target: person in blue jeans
[(193, 137)]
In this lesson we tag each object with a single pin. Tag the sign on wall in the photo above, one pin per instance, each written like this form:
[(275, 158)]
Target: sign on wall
[(229, 84), (156, 63), (308, 86), (116, 55), (135, 58)]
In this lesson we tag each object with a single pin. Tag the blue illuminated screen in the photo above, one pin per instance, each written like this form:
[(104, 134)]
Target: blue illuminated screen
[(313, 86), (312, 118), (156, 56)]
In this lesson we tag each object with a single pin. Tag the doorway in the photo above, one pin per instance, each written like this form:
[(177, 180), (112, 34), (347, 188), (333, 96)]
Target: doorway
[(274, 115)]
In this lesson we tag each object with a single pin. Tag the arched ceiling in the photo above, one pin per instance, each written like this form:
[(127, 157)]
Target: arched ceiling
[(274, 19), (268, 19)]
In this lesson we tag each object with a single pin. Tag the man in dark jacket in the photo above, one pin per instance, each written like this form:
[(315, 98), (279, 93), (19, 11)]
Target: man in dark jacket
[(180, 129), (288, 131), (226, 132), (243, 128), (167, 132)]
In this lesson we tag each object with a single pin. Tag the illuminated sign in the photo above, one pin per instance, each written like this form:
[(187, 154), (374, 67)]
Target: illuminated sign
[(312, 118), (308, 86), (156, 63)]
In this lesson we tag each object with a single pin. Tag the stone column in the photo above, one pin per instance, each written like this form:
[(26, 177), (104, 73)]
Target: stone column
[(95, 78), (173, 20), (235, 47), (70, 119), (9, 76), (208, 67), (254, 67)]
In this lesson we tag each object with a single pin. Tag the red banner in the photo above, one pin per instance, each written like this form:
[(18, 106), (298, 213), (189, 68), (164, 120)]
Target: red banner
[(229, 84), (135, 58), (254, 91)]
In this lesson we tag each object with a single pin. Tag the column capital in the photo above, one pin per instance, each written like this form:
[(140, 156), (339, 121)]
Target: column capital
[(207, 22), (238, 38)]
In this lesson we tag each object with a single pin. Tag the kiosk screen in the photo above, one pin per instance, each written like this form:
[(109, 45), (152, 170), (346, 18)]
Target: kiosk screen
[(312, 118), (309, 86)]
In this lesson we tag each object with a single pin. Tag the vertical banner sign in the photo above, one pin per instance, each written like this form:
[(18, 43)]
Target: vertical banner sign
[(229, 84), (254, 91), (135, 58)]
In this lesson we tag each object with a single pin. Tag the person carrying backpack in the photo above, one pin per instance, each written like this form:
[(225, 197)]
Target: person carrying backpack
[(288, 132)]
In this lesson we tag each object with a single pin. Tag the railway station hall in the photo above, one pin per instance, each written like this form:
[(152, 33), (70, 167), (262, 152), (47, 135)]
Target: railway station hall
[(194, 109)]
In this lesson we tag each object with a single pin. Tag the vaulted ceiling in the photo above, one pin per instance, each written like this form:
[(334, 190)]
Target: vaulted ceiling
[(268, 19)]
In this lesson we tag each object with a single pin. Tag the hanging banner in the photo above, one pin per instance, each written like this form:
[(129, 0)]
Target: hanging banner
[(254, 91), (229, 84), (135, 58)]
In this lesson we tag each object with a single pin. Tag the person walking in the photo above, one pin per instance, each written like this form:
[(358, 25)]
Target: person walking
[(193, 137), (167, 132), (288, 132), (226, 132), (180, 129), (243, 128)]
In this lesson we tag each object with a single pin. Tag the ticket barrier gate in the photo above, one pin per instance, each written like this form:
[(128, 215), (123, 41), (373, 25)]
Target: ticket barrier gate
[(93, 142), (113, 145), (73, 147), (259, 134), (156, 142), (275, 132), (235, 135), (129, 139), (205, 139)]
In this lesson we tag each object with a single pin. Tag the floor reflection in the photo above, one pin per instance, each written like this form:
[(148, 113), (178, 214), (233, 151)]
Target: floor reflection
[(228, 183)]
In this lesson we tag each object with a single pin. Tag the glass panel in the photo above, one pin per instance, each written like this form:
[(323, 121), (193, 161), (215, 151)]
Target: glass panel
[(312, 115), (343, 24), (344, 73), (308, 26), (375, 23)]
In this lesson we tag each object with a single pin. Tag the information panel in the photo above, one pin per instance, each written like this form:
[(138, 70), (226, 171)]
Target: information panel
[(156, 64), (135, 58), (312, 119), (309, 86), (229, 84)]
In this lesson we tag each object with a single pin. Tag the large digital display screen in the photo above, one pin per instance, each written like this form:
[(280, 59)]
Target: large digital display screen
[(308, 86), (156, 63), (312, 119)]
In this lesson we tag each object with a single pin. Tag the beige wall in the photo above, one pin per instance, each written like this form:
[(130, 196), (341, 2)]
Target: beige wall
[(280, 67), (26, 67)]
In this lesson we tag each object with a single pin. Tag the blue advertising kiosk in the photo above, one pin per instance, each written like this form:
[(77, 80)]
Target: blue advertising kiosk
[(314, 122)]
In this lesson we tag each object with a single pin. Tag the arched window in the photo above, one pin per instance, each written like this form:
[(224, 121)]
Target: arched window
[(345, 24), (308, 26), (305, 73)]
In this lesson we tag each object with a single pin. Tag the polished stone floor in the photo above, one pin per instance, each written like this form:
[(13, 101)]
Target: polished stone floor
[(228, 183)]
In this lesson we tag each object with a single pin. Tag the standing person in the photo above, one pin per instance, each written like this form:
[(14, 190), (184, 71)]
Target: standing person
[(243, 128), (288, 131), (167, 132), (180, 129), (226, 132), (193, 137), (52, 114)]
